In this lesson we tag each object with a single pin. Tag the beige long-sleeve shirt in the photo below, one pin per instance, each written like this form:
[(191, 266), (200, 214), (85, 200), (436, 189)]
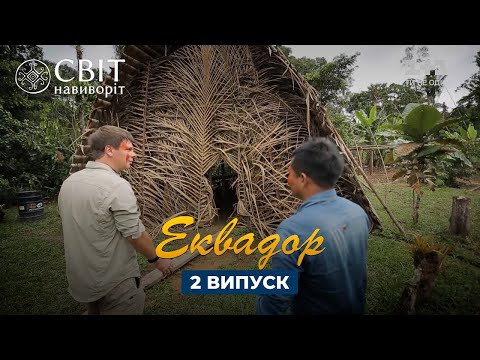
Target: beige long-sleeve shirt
[(99, 211)]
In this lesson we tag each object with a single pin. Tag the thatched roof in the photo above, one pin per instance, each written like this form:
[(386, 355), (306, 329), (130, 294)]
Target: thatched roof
[(193, 107)]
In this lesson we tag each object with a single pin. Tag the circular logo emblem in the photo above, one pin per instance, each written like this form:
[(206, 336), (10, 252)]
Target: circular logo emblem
[(32, 76)]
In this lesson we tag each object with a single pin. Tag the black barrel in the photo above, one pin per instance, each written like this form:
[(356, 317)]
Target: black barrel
[(30, 205)]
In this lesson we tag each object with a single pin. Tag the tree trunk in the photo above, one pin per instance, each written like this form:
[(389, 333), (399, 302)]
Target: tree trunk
[(420, 287), (460, 218), (79, 49), (416, 206), (82, 120)]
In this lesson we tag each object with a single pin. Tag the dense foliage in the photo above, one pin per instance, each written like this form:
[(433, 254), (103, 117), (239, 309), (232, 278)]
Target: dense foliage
[(39, 131)]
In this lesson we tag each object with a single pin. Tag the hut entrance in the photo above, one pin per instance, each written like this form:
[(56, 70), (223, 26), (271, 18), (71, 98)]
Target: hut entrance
[(222, 177)]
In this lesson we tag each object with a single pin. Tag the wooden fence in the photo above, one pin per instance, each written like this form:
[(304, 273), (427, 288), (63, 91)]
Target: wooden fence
[(371, 152)]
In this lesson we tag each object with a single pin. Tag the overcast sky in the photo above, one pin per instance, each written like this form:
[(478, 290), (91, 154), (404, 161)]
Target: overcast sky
[(376, 63)]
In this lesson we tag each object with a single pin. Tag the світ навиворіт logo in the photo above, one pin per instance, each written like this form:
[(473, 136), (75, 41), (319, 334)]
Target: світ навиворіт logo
[(32, 76)]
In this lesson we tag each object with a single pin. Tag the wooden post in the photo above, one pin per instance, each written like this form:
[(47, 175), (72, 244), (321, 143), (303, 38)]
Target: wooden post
[(370, 153), (347, 151), (359, 155), (460, 218)]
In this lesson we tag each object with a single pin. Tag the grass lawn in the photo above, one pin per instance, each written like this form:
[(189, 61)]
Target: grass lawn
[(33, 281)]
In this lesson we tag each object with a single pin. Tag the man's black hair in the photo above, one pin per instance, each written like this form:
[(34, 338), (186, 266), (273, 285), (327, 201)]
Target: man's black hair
[(320, 160)]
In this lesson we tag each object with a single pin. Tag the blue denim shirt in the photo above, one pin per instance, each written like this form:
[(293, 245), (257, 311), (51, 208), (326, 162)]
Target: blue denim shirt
[(334, 281)]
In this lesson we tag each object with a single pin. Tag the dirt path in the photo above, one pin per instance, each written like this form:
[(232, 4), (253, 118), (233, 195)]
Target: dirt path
[(378, 175)]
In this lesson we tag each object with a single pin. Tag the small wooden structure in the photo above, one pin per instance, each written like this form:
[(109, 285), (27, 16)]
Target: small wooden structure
[(358, 151)]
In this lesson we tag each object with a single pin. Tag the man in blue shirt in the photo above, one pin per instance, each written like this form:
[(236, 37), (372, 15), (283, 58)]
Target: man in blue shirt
[(334, 281)]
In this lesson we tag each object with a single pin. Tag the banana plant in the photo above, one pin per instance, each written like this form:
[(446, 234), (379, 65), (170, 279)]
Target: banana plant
[(424, 143), (367, 122), (371, 124)]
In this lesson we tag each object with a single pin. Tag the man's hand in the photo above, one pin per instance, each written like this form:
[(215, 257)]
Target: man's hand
[(165, 266), (144, 245)]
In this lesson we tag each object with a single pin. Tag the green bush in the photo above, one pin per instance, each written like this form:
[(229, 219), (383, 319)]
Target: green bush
[(31, 158)]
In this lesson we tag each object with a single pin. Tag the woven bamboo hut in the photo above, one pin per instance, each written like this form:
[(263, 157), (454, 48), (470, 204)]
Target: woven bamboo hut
[(214, 129)]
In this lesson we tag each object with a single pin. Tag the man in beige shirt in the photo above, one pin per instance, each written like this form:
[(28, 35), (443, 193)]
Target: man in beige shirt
[(102, 229)]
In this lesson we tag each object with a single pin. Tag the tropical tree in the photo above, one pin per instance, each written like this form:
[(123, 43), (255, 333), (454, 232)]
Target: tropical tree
[(14, 100), (332, 79), (118, 50), (344, 124), (388, 99), (424, 144), (79, 49), (469, 105), (369, 125), (452, 168), (375, 129), (38, 130), (472, 84)]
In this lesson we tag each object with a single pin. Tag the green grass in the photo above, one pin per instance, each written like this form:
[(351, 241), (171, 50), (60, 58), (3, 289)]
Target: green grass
[(32, 266), (33, 281), (390, 263)]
